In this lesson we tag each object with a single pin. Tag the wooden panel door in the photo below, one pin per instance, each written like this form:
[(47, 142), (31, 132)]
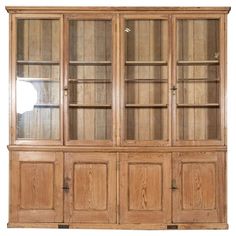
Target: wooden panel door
[(200, 187), (91, 181), (36, 187), (145, 194)]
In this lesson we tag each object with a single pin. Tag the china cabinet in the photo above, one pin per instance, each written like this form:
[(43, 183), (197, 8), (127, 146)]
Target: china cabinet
[(118, 117)]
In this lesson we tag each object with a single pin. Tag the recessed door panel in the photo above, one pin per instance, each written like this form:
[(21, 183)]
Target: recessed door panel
[(91, 179), (145, 195), (36, 187)]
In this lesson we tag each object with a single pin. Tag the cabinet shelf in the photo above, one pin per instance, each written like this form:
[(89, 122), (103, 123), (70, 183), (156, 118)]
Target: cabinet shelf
[(146, 105), (203, 62), (146, 80), (102, 106), (87, 63), (146, 63), (37, 80), (208, 105), (41, 105), (90, 80), (198, 80), (23, 62)]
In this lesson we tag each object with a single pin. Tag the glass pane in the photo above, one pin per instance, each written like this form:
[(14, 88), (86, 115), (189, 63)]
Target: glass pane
[(198, 93), (90, 40), (90, 80), (146, 40), (146, 124), (90, 72), (198, 72), (90, 124), (146, 72), (198, 39), (90, 93), (146, 93), (146, 80), (38, 40), (38, 79), (198, 80), (198, 123)]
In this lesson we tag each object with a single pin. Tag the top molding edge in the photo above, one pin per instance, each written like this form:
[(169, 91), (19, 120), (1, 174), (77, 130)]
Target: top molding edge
[(25, 9)]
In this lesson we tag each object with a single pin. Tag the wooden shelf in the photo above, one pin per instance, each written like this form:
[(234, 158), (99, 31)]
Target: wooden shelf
[(23, 62), (204, 62), (146, 105), (146, 80), (46, 105), (86, 63), (37, 80), (208, 105), (198, 80), (103, 106), (148, 63), (90, 80)]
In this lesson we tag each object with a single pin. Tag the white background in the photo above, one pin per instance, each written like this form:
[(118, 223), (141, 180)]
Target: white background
[(4, 180)]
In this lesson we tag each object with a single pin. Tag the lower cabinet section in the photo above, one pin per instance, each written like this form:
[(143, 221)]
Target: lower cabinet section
[(118, 190), (91, 182), (145, 194), (36, 193)]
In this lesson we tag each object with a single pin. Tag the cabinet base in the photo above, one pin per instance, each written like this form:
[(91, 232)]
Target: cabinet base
[(122, 226)]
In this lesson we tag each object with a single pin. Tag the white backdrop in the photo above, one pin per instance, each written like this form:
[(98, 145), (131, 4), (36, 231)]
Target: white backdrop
[(4, 45)]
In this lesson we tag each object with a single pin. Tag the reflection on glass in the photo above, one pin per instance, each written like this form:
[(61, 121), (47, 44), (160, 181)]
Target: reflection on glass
[(27, 96)]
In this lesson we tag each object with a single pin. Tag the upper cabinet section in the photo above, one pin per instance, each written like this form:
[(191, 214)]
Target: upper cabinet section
[(37, 77), (118, 76)]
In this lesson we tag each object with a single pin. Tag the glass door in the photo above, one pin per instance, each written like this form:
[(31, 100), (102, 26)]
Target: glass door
[(199, 81), (89, 83), (145, 80), (37, 80)]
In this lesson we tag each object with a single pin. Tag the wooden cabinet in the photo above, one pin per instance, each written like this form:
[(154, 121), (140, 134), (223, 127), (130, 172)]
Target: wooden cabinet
[(118, 117)]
